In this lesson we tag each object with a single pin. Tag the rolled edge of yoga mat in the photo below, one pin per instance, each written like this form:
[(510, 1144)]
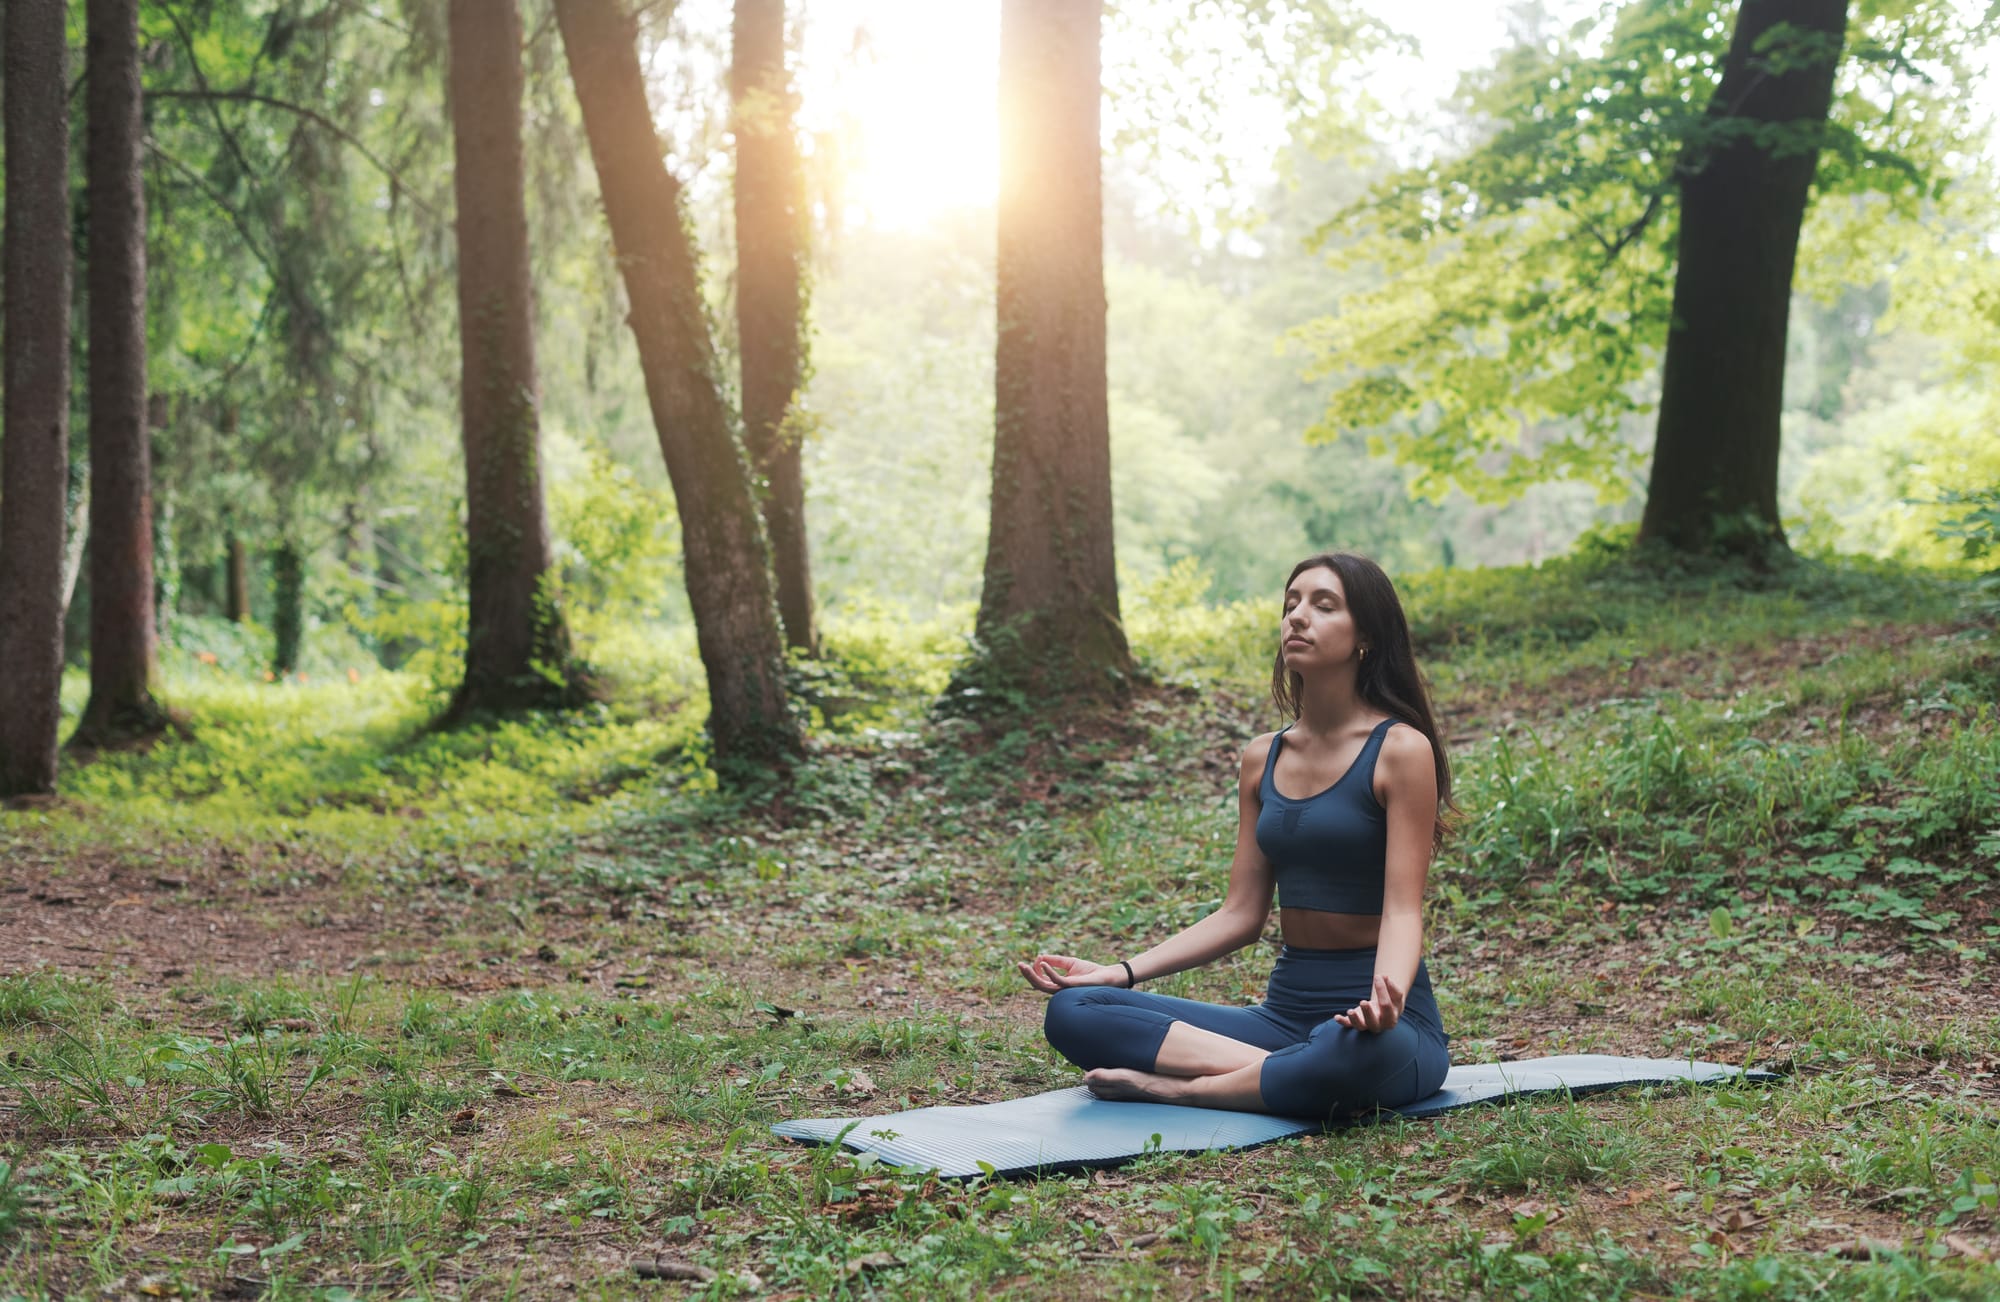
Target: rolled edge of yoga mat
[(1071, 1129)]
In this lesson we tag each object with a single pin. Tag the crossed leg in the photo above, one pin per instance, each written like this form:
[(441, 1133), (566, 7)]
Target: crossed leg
[(1140, 1045), (1194, 1067)]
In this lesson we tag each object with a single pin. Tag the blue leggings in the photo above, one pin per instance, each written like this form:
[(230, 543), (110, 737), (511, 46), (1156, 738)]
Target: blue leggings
[(1317, 1068)]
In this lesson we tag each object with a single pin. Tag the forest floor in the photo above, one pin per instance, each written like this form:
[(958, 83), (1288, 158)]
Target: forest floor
[(252, 1051)]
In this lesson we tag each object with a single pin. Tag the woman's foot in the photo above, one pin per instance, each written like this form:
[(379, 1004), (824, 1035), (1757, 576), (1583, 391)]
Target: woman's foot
[(1126, 1085)]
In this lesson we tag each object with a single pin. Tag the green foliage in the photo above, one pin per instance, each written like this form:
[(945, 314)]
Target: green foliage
[(1521, 288)]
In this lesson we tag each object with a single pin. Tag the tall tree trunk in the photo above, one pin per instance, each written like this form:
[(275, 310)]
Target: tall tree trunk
[(122, 638), (237, 600), (771, 254), (288, 599), (727, 564), (1744, 184), (1048, 612), (517, 649), (34, 459)]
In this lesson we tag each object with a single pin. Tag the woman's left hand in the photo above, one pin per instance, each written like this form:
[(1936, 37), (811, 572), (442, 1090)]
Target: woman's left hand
[(1377, 1014)]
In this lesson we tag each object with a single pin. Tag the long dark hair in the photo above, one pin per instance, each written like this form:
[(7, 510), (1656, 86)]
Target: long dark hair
[(1387, 676)]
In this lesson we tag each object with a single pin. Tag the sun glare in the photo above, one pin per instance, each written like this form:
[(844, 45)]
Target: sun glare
[(909, 89)]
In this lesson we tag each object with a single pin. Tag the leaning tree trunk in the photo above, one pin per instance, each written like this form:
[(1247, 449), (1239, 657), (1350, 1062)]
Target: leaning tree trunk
[(1048, 612), (1744, 183), (726, 561), (770, 296), (122, 635), (517, 652), (34, 460)]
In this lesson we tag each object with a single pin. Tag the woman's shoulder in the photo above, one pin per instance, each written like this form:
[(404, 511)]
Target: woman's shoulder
[(1405, 743), (1256, 753), (1406, 755)]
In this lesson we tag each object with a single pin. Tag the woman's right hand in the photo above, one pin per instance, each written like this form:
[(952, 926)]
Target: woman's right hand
[(1049, 973)]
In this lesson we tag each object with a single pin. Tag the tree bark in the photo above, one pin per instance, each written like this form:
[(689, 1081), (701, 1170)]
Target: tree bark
[(771, 255), (122, 637), (517, 649), (1744, 185), (237, 599), (288, 598), (34, 459), (1048, 611), (725, 556)]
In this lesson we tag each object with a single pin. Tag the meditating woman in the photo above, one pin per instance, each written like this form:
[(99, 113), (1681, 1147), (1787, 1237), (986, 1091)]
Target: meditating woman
[(1340, 813)]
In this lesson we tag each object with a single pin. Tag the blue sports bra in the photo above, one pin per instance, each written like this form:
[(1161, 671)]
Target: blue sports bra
[(1330, 851)]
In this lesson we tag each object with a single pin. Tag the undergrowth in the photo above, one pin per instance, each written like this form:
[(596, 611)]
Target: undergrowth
[(1749, 821)]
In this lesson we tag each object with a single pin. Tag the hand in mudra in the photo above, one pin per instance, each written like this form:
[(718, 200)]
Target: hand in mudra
[(1377, 1013), (1049, 973)]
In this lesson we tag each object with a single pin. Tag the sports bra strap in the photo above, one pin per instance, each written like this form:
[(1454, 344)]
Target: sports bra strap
[(1271, 754)]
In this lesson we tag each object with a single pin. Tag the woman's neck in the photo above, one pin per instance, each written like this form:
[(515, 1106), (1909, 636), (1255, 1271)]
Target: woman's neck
[(1330, 705)]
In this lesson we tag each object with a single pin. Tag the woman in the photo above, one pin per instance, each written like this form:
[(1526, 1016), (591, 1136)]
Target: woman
[(1340, 813)]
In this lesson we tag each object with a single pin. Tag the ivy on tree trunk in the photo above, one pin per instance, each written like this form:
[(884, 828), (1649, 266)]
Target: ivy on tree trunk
[(771, 257), (1048, 610), (517, 648)]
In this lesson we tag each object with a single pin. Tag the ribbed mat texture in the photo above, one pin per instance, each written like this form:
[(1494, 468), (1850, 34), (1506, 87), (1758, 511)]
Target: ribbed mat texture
[(1069, 1128)]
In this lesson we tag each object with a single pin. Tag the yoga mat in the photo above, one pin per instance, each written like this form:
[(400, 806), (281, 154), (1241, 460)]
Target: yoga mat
[(1070, 1128)]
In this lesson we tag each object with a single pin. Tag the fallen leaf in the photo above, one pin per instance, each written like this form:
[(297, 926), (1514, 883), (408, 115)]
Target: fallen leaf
[(873, 1261), (1966, 1248), (464, 1121), (662, 1268)]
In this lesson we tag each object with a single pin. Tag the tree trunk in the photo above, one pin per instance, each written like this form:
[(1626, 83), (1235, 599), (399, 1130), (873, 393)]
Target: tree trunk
[(517, 650), (1048, 612), (121, 706), (1744, 185), (770, 296), (237, 601), (726, 561), (288, 596), (34, 459), (73, 548)]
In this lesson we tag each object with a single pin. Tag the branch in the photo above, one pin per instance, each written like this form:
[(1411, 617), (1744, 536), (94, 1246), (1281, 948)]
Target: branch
[(195, 179), (201, 80), (395, 179)]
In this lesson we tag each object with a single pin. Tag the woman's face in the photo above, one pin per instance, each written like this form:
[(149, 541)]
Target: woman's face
[(1317, 629)]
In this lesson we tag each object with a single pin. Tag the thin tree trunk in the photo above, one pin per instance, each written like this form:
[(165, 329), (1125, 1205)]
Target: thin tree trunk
[(237, 600), (770, 296), (517, 648), (1048, 611), (121, 705), (288, 596), (726, 561), (1744, 187), (78, 538), (34, 460)]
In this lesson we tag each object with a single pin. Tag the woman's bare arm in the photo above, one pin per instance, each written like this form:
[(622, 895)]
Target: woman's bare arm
[(1246, 906), (1406, 779)]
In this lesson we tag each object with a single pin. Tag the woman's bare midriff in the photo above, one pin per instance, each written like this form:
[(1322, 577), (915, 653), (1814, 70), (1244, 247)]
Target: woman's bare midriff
[(1312, 929)]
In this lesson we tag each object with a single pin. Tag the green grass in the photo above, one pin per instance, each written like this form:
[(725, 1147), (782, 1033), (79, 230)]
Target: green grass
[(564, 985)]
